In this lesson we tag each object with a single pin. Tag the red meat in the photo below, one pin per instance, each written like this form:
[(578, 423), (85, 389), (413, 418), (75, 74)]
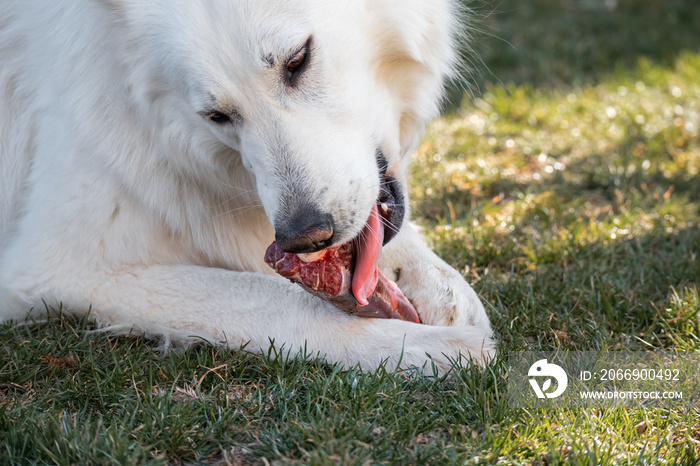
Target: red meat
[(329, 277)]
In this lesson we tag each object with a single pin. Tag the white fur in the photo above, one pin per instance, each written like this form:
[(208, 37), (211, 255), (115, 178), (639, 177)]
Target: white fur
[(116, 194)]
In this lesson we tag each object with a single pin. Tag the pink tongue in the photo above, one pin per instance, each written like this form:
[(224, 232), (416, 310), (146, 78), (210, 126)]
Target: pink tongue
[(365, 277)]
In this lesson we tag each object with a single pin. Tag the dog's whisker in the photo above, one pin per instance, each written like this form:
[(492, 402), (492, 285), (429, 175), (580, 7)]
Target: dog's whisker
[(231, 186), (233, 198), (238, 210), (389, 225), (369, 228)]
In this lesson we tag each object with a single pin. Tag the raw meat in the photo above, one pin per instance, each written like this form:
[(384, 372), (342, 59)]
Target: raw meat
[(330, 277)]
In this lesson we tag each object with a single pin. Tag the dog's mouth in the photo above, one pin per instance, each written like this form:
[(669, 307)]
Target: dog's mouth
[(381, 226), (348, 275)]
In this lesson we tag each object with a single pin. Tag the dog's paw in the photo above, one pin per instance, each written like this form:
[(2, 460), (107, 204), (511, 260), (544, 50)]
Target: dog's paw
[(431, 350), (442, 297), (447, 346)]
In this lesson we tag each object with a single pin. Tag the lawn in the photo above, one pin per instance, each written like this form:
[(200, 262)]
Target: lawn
[(567, 191)]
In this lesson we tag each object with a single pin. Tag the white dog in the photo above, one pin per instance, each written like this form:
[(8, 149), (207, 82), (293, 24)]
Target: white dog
[(150, 151)]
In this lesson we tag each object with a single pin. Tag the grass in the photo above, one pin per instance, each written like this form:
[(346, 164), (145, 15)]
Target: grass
[(572, 42), (571, 204), (579, 201)]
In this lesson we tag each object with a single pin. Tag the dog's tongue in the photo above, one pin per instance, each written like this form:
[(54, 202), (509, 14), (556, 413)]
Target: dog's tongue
[(369, 248)]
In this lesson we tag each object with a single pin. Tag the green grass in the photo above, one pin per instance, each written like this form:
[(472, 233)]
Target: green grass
[(572, 42), (571, 204), (576, 211)]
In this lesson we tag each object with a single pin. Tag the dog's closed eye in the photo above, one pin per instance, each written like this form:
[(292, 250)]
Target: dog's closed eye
[(221, 118), (298, 63), (295, 64)]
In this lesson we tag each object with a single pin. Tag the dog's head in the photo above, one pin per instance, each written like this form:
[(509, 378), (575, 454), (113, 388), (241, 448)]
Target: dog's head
[(323, 100)]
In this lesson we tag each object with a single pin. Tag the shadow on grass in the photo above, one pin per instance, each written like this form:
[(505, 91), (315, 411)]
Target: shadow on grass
[(633, 294), (593, 256), (608, 176), (572, 42)]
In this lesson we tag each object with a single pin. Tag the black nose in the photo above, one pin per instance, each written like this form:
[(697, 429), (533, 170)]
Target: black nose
[(308, 230)]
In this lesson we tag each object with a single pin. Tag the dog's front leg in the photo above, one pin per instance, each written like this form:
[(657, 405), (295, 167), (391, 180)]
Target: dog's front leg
[(234, 308), (439, 293)]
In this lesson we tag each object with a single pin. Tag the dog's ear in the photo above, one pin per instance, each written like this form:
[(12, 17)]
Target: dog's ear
[(421, 30), (416, 43)]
